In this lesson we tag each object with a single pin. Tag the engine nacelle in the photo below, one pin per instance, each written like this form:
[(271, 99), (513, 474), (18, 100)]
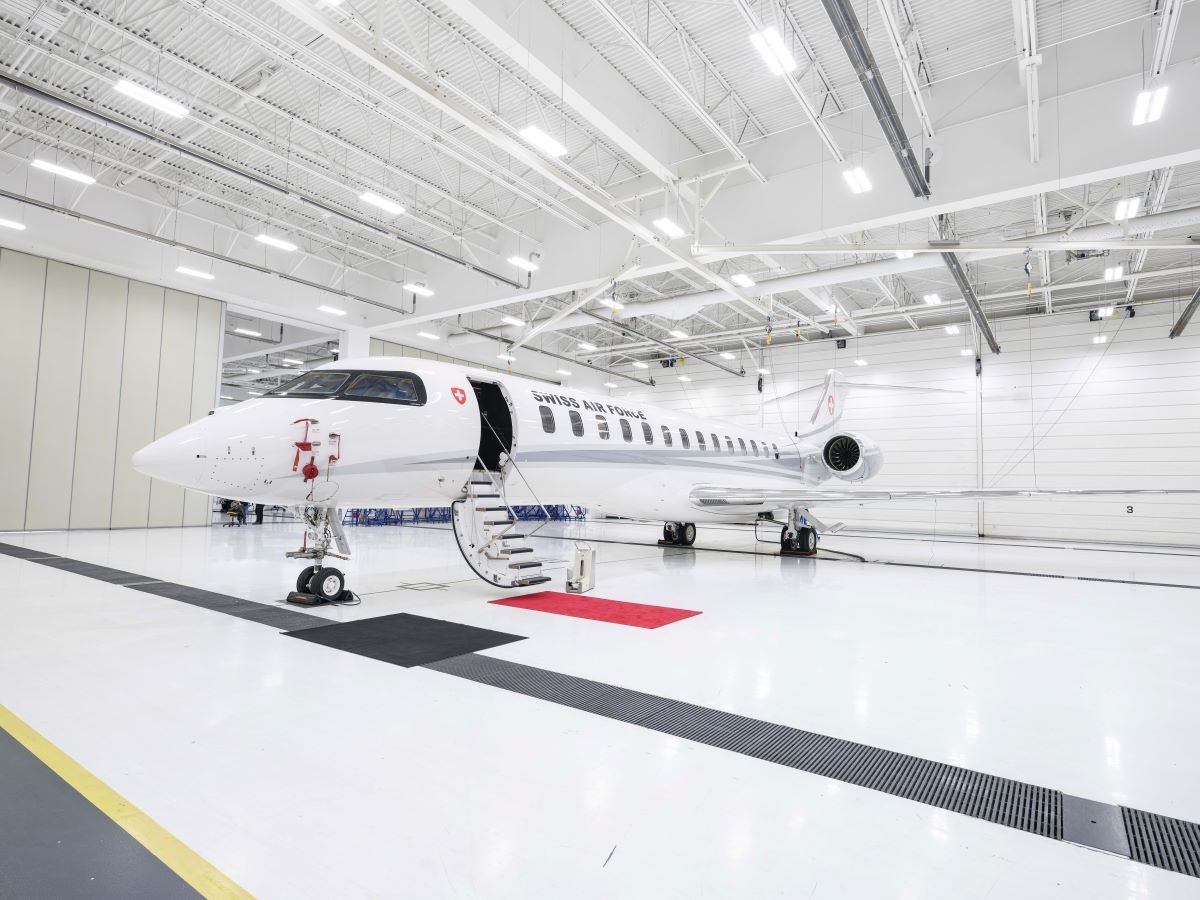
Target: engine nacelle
[(852, 458)]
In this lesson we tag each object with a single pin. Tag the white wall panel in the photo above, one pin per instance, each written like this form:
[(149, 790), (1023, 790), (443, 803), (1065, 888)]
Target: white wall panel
[(99, 401), (139, 401), (52, 450), (206, 369), (22, 286), (174, 399)]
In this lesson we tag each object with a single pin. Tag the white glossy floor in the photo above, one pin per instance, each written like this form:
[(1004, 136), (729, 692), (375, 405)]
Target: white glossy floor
[(302, 771)]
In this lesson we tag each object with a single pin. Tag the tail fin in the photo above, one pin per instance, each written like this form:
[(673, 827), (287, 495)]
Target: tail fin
[(832, 402)]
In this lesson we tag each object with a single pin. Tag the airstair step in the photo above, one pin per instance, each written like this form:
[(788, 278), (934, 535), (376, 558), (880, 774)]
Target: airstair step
[(525, 565), (529, 582), (485, 496), (508, 521), (512, 550), (510, 536), (491, 509)]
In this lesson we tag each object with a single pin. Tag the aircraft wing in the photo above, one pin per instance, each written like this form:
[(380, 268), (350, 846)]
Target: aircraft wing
[(710, 495)]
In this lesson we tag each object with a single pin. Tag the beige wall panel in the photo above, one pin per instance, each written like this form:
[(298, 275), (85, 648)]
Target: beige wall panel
[(207, 353), (22, 285), (174, 404), (99, 402), (139, 390), (52, 452), (377, 347)]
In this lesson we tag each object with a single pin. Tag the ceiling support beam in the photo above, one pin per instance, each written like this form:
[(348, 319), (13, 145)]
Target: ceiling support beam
[(896, 38), (674, 348), (1160, 183), (885, 248), (697, 108), (1168, 14), (584, 300), (1185, 316), (1028, 60), (968, 293), (571, 360), (854, 42), (1040, 225)]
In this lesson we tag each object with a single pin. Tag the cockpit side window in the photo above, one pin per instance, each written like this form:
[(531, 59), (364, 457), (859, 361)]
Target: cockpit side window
[(312, 384), (390, 387)]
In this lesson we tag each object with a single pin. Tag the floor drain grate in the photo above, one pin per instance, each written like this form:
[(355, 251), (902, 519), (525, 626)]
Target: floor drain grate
[(1161, 841)]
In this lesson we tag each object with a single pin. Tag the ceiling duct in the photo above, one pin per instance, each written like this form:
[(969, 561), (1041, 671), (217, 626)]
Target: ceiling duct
[(1186, 316), (968, 293), (854, 42)]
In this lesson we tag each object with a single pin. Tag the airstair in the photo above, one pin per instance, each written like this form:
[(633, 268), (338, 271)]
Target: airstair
[(485, 527)]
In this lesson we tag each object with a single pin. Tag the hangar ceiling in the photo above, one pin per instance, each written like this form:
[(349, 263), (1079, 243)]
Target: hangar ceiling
[(309, 122)]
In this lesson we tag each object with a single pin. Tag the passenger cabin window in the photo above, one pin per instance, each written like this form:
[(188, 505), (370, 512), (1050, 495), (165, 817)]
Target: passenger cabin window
[(716, 444), (626, 431), (775, 450), (312, 384), (648, 432), (391, 387), (729, 443), (754, 447), (683, 439), (602, 427), (666, 435), (547, 419), (742, 444), (576, 423), (700, 440)]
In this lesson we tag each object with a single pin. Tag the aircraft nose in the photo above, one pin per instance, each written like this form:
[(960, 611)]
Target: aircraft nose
[(172, 458), (156, 460)]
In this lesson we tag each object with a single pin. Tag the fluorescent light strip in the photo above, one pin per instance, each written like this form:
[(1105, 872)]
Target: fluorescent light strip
[(932, 300), (669, 228), (195, 273), (506, 356), (388, 206), (741, 279), (542, 141), (332, 310), (513, 321), (562, 372), (1100, 339), (860, 362), (773, 50), (684, 378), (275, 242), (1114, 273), (56, 169), (418, 288), (904, 254), (522, 263), (857, 179), (584, 345), (967, 352), (1127, 208), (725, 355), (428, 336), (764, 371), (678, 335), (294, 362), (1149, 106), (638, 364), (248, 332), (611, 303), (150, 98), (952, 329), (610, 384), (9, 223)]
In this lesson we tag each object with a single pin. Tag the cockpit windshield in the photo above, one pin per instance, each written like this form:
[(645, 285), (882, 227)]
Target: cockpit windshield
[(312, 384), (376, 387)]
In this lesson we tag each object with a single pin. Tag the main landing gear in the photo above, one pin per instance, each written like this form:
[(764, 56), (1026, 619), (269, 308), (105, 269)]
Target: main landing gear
[(797, 538), (320, 583), (679, 534)]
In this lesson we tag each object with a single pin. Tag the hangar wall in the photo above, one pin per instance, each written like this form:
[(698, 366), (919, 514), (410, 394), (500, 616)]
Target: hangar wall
[(95, 367), (1053, 410)]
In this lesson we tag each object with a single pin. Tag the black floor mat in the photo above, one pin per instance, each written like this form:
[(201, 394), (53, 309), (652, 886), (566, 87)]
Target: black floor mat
[(404, 639)]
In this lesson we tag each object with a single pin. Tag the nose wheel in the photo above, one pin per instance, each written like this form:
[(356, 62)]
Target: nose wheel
[(800, 541), (319, 583)]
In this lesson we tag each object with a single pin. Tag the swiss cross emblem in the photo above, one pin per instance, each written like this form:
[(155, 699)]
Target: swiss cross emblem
[(830, 404), (459, 394)]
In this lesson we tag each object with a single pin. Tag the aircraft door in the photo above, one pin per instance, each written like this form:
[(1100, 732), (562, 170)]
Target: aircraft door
[(496, 418)]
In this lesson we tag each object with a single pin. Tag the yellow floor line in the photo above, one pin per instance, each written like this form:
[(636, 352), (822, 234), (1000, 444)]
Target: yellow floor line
[(175, 854)]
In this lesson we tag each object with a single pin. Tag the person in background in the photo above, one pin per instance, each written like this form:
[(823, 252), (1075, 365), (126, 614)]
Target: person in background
[(258, 513)]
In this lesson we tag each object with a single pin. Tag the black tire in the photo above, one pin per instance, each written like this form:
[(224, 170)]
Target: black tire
[(670, 534), (304, 578), (806, 540), (787, 544), (687, 534), (327, 583)]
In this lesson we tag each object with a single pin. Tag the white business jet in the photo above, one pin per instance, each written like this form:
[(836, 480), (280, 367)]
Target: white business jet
[(393, 432)]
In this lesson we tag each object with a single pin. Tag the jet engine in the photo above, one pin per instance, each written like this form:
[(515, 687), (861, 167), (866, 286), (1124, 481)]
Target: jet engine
[(852, 458)]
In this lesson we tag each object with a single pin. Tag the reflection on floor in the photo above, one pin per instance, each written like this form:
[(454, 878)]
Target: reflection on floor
[(300, 770)]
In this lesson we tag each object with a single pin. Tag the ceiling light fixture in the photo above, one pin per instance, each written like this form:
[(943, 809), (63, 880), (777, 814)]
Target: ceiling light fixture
[(332, 310), (679, 335), (542, 141), (1149, 106), (1106, 312), (150, 98), (226, 397), (565, 373), (764, 371), (507, 357), (522, 263), (254, 371), (684, 378), (1100, 339), (932, 300), (904, 254), (294, 362), (419, 288), (612, 303), (725, 355), (860, 362), (275, 242), (513, 321), (773, 50), (254, 393), (247, 332), (195, 273), (429, 336), (584, 345), (9, 223), (388, 206), (741, 279), (610, 384), (56, 169), (952, 329), (638, 364), (967, 351), (1127, 208), (857, 179), (1114, 273), (669, 228)]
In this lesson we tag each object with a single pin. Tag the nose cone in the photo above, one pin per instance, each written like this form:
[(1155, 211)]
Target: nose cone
[(176, 458), (154, 460)]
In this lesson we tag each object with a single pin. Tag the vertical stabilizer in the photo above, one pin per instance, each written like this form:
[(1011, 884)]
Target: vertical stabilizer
[(829, 408)]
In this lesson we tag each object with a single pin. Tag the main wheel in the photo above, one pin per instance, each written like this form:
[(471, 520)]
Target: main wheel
[(327, 583), (303, 579), (687, 534), (785, 542), (806, 540), (670, 533)]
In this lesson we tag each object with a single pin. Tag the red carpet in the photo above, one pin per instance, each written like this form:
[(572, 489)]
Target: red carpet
[(640, 615)]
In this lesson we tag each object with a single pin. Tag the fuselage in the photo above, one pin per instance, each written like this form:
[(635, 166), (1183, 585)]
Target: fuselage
[(398, 432)]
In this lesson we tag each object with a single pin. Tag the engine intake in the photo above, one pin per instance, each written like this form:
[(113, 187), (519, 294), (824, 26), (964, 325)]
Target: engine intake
[(852, 458)]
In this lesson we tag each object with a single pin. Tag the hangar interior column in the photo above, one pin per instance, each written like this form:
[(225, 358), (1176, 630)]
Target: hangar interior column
[(94, 368)]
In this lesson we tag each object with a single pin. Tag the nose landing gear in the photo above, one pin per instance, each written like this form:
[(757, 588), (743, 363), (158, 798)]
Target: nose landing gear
[(679, 534), (320, 583)]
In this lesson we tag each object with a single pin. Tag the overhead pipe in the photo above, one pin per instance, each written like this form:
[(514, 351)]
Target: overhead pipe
[(1186, 315)]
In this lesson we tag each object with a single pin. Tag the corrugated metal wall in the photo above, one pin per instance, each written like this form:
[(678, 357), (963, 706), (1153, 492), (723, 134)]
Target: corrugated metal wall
[(94, 368), (1125, 412)]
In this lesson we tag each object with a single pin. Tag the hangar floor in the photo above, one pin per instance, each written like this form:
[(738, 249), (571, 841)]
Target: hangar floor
[(299, 770)]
